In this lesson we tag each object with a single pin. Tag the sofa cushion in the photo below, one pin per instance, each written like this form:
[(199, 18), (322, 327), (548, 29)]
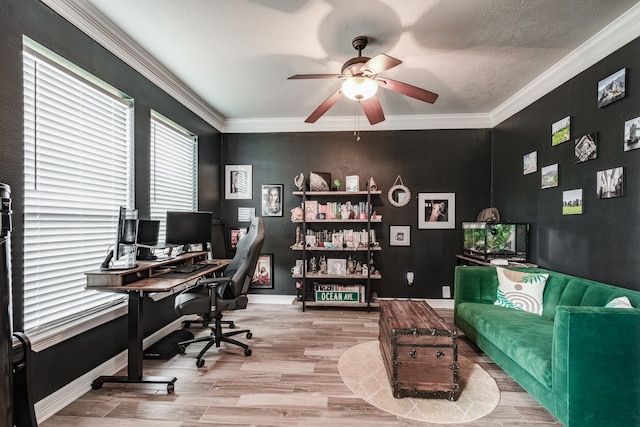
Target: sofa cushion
[(620, 302), (524, 337), (521, 290)]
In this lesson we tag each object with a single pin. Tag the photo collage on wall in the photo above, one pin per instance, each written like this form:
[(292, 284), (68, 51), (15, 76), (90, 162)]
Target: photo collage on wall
[(609, 182)]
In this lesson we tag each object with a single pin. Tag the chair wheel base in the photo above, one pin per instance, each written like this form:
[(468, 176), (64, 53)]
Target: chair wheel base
[(247, 352), (200, 363)]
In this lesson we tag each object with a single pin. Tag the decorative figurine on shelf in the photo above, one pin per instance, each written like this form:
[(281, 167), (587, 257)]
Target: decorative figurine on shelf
[(372, 185), (323, 265), (365, 269), (351, 265), (337, 183), (358, 268), (313, 265), (298, 237), (298, 180), (296, 214)]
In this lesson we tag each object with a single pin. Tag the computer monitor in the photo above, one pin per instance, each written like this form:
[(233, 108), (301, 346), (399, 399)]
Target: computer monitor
[(124, 247), (147, 236), (185, 228)]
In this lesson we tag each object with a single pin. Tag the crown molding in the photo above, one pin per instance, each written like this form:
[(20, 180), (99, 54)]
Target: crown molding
[(333, 124), (95, 25), (618, 33), (85, 17)]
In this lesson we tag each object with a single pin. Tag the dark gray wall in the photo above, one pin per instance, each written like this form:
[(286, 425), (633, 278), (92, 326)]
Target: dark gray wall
[(438, 161), (58, 365), (603, 243)]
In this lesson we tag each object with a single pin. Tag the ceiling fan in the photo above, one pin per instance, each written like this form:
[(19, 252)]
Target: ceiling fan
[(361, 81)]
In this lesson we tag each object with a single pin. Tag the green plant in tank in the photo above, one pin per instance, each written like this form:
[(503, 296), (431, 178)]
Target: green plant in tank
[(499, 237)]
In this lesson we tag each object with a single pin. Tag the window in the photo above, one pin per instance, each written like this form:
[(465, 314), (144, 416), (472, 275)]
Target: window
[(174, 169), (78, 170)]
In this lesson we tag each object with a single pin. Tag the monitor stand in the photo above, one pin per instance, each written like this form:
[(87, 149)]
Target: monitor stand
[(145, 254)]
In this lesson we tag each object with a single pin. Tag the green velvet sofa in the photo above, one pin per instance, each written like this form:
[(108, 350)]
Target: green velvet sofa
[(579, 359)]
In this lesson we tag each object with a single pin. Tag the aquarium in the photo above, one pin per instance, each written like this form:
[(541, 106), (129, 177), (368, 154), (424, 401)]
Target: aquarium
[(496, 240)]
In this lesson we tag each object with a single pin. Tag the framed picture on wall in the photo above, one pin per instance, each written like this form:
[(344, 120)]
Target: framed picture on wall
[(612, 88), (238, 181), (610, 183), (561, 131), (272, 200), (632, 134), (549, 176), (399, 235), (530, 163), (436, 210), (235, 234), (586, 147), (572, 202), (263, 276)]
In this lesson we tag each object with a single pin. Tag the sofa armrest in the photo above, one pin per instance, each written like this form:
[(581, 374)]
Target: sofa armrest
[(475, 284), (596, 365)]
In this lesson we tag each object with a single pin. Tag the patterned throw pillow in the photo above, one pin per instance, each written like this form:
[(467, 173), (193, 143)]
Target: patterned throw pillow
[(521, 290), (620, 302)]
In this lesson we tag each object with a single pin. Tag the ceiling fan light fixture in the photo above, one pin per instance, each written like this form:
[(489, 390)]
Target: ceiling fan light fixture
[(359, 88)]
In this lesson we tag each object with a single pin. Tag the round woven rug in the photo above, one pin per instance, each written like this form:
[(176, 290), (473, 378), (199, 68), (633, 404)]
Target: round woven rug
[(363, 371)]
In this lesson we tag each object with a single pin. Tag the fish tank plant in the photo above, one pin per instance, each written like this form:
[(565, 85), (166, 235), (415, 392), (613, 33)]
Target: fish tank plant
[(496, 240)]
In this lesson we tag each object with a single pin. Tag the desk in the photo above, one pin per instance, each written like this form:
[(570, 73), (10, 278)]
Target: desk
[(467, 260), (147, 277)]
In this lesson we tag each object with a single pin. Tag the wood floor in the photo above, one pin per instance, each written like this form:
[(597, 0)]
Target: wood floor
[(291, 379)]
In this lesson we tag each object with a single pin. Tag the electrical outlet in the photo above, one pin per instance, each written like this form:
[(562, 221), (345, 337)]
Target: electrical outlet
[(410, 277), (446, 291)]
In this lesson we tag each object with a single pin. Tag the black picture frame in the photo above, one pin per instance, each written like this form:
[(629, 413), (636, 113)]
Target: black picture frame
[(272, 199), (263, 275)]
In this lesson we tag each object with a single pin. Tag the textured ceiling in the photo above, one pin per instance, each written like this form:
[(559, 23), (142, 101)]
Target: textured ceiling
[(236, 55)]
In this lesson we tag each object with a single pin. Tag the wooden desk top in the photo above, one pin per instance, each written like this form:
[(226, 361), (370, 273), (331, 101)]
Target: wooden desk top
[(152, 276)]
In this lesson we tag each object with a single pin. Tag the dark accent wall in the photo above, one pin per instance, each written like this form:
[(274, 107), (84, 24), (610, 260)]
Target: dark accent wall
[(435, 161), (603, 243), (58, 365)]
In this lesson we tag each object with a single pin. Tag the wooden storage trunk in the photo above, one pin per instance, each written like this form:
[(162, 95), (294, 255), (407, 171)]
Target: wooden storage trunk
[(419, 350)]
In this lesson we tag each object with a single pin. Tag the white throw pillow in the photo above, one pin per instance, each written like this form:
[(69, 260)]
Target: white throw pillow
[(620, 302), (521, 290)]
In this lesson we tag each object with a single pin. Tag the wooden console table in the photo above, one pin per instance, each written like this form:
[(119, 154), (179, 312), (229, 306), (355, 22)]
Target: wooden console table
[(148, 277), (467, 260)]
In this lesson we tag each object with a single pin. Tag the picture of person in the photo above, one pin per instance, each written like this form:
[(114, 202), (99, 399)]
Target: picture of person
[(263, 275), (272, 200)]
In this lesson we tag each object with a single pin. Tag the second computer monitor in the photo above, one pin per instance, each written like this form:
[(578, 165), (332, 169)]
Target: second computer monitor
[(184, 228), (147, 236)]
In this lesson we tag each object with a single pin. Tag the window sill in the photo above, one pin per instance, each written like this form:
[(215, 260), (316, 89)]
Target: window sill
[(41, 340)]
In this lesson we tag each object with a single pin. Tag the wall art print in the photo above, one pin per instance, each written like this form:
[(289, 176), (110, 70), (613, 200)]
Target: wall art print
[(263, 275), (632, 134), (530, 163), (399, 235), (272, 200), (437, 210), (561, 131), (572, 202), (612, 88), (610, 183), (549, 176), (586, 147), (238, 181)]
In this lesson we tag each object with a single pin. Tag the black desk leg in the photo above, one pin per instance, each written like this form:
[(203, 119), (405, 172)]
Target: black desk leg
[(135, 354)]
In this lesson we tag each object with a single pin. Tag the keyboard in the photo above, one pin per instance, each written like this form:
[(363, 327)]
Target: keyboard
[(191, 268)]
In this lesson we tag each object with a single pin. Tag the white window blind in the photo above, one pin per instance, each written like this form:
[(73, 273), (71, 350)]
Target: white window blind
[(78, 170), (174, 169)]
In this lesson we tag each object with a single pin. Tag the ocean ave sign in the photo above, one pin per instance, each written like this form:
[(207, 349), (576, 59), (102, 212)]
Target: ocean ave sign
[(337, 296)]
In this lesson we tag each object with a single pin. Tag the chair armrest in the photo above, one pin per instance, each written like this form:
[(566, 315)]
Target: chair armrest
[(475, 284), (596, 365), (213, 281)]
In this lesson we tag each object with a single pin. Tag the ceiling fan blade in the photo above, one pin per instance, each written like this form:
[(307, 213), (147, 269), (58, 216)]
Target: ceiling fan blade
[(315, 76), (373, 110), (407, 89), (380, 63), (322, 108)]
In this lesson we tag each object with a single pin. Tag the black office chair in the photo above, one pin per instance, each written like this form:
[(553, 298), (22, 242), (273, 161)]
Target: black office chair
[(214, 295)]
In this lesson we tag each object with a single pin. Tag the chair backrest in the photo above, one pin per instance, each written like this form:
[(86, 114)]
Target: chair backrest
[(244, 262)]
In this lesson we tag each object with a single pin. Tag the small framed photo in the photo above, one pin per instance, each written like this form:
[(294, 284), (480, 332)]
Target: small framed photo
[(272, 200), (530, 163), (399, 235), (436, 210), (572, 202), (245, 214), (632, 134), (235, 234), (549, 176), (612, 88), (586, 147), (263, 275), (561, 131), (610, 183), (336, 266), (238, 181)]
